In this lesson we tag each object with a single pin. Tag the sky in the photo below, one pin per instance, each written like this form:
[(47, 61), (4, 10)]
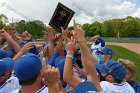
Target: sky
[(86, 11)]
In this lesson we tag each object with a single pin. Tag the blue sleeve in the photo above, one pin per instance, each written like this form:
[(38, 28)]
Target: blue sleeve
[(31, 40), (43, 45), (52, 60), (24, 42), (33, 50), (102, 41)]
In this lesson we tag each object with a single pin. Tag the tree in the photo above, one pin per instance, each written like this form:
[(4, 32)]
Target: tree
[(86, 27), (3, 18), (35, 27), (131, 28), (117, 25), (96, 28), (107, 30), (20, 26)]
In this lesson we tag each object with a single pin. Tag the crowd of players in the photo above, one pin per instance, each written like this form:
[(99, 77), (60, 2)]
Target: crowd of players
[(63, 64)]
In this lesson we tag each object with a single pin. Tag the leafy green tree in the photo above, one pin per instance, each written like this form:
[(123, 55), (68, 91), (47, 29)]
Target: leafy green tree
[(96, 28), (35, 27), (20, 26), (117, 25), (107, 30), (131, 28), (86, 27)]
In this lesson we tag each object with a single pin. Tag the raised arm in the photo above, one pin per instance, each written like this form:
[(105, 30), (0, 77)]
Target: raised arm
[(65, 33), (87, 59), (51, 76), (68, 74), (102, 41), (6, 36), (24, 50)]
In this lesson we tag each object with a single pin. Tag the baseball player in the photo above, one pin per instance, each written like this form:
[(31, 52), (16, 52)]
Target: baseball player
[(8, 83), (27, 69), (98, 44)]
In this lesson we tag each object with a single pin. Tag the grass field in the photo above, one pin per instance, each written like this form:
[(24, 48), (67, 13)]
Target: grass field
[(121, 41), (120, 52), (124, 41), (117, 41)]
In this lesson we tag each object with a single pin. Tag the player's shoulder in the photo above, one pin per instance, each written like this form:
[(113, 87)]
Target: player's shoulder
[(11, 78)]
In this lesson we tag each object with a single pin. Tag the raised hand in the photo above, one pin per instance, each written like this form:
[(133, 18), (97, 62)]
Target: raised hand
[(65, 32), (79, 70), (78, 33), (26, 36), (59, 47), (4, 34), (71, 46), (50, 74), (27, 47)]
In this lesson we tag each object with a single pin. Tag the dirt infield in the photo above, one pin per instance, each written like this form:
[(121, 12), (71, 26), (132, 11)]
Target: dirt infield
[(133, 47)]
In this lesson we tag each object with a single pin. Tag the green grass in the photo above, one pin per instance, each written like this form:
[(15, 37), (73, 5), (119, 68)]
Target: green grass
[(120, 52), (40, 41), (121, 41), (124, 41)]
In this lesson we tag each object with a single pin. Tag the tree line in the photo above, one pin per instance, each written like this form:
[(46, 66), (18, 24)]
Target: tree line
[(123, 27)]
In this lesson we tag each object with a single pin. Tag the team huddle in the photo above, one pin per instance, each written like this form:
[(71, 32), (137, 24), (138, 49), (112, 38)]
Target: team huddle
[(63, 64)]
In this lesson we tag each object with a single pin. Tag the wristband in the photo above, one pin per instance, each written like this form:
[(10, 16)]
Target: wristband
[(69, 55)]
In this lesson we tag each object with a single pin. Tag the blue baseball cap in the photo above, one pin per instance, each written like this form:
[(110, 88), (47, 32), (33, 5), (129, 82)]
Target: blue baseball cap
[(9, 62), (3, 54), (2, 68), (85, 87), (106, 50), (59, 63), (5, 65), (114, 68), (27, 66), (9, 53)]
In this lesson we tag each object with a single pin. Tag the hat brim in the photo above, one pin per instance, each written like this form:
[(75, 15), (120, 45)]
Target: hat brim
[(101, 68)]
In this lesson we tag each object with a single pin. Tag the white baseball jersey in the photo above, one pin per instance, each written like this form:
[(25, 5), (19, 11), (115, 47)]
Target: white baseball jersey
[(10, 84), (16, 91), (124, 87), (95, 47)]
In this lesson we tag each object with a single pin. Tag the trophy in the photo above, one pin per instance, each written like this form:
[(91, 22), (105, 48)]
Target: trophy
[(61, 17)]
